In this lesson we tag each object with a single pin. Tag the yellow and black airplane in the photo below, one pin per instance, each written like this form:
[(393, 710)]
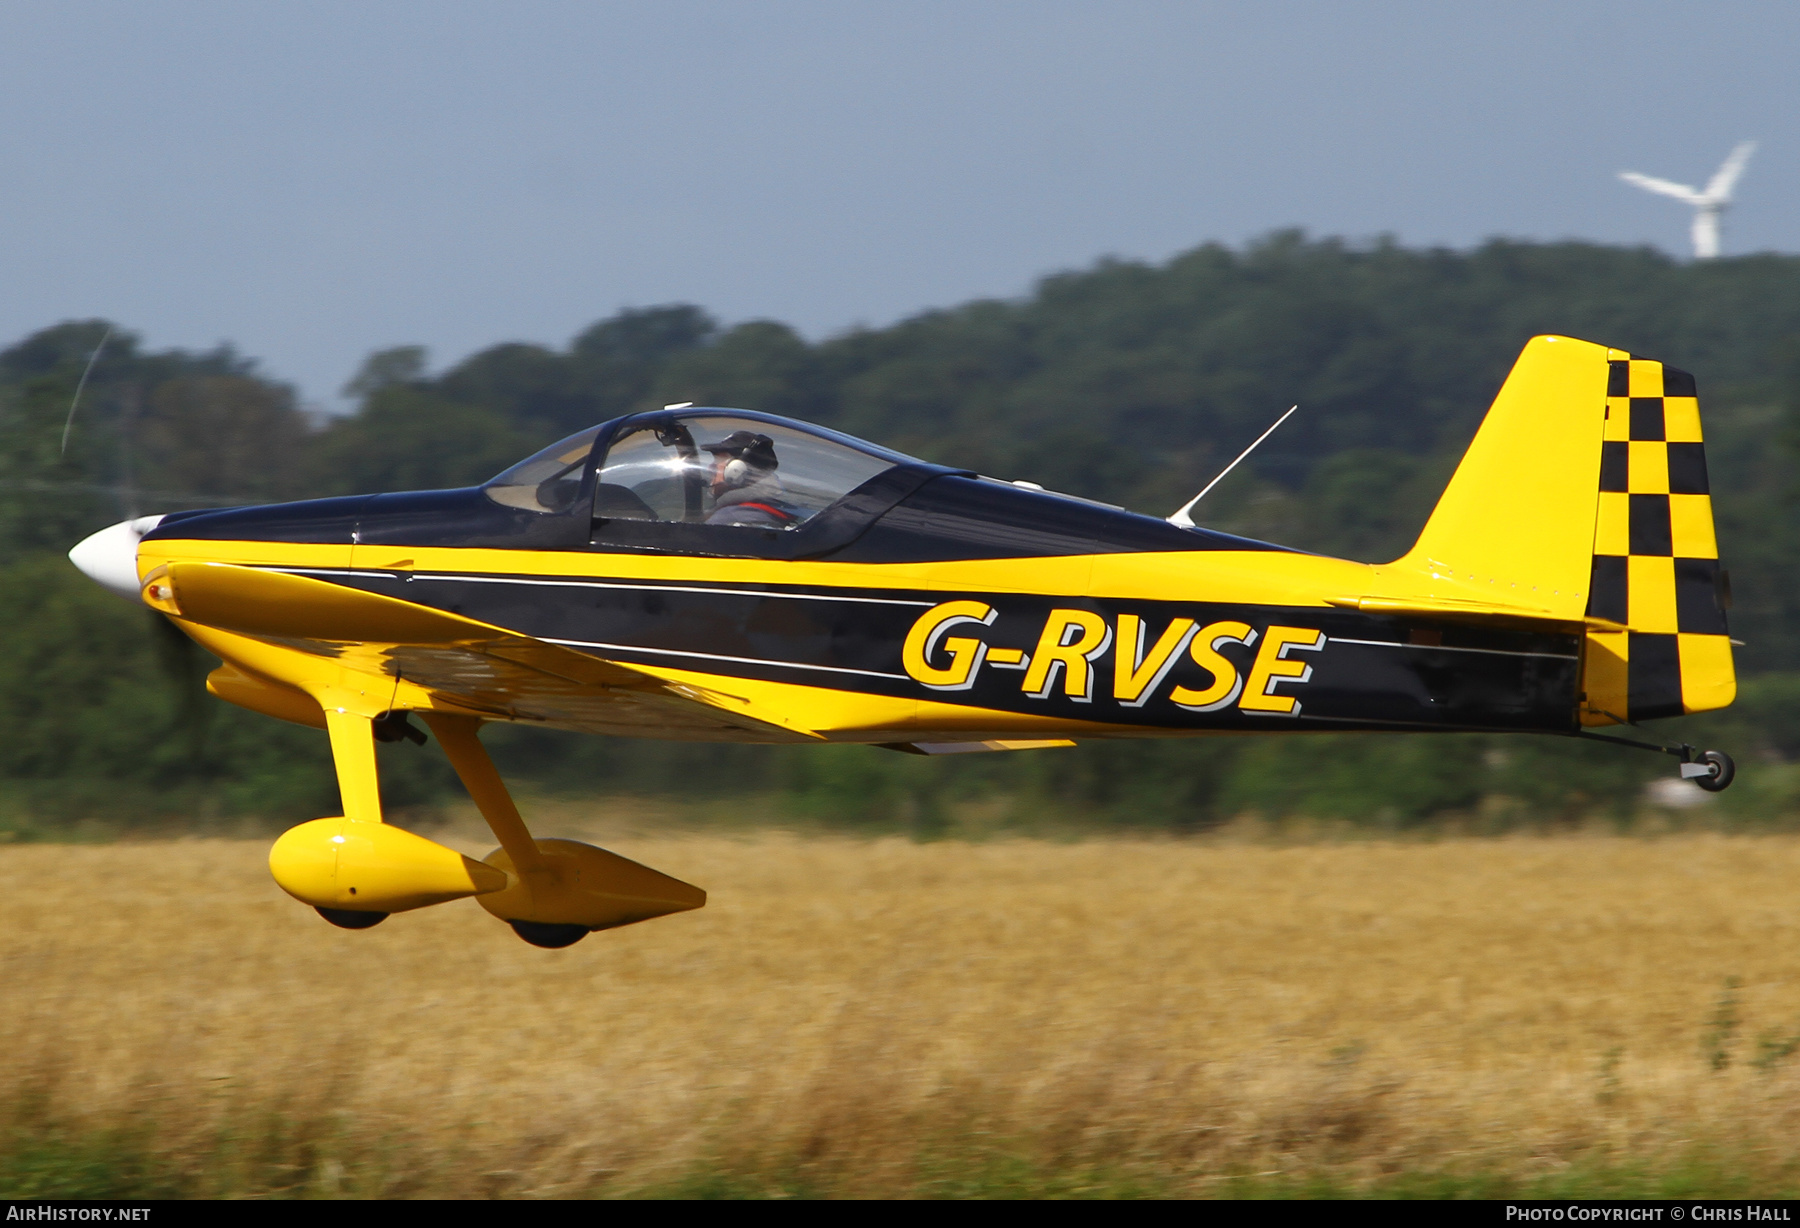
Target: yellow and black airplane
[(723, 575)]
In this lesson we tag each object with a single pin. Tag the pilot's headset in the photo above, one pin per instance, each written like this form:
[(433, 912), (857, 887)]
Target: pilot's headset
[(751, 455)]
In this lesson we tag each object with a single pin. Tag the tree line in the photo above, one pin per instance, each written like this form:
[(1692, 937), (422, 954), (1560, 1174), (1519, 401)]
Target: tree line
[(1128, 382)]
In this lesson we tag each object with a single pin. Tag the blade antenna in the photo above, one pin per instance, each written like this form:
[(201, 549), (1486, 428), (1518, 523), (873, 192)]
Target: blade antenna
[(1186, 521), (86, 371)]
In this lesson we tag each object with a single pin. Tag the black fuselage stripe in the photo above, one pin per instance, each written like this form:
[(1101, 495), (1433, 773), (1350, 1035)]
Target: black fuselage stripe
[(1498, 652), (322, 571), (471, 578), (669, 588), (714, 656)]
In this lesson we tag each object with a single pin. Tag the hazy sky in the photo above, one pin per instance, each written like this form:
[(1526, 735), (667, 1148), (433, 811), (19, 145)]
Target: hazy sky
[(315, 180)]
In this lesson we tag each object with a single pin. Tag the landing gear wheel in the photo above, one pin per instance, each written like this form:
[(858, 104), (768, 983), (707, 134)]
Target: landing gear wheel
[(1724, 771), (344, 919), (544, 934)]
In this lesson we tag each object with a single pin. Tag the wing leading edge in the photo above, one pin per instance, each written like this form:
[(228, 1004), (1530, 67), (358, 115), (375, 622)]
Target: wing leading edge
[(284, 633)]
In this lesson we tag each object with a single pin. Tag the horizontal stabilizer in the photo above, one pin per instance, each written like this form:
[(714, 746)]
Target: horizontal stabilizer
[(972, 748), (1444, 606)]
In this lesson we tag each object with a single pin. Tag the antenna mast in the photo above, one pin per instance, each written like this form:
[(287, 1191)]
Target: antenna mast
[(1185, 521)]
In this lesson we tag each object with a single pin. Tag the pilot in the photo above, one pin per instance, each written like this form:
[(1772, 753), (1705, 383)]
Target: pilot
[(746, 489)]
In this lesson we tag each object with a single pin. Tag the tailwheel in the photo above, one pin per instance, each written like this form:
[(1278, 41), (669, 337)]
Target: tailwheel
[(1717, 771), (545, 934), (343, 918)]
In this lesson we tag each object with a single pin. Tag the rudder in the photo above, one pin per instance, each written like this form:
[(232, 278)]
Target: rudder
[(1656, 574)]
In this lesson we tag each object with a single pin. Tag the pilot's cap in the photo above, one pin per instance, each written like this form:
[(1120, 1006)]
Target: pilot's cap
[(756, 451)]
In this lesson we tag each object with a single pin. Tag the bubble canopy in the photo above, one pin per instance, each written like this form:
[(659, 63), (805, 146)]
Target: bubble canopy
[(697, 466)]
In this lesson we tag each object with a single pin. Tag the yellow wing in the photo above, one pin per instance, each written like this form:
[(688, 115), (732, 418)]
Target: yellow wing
[(285, 638)]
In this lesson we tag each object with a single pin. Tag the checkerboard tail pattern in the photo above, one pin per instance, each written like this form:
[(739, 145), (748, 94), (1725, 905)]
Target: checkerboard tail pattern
[(1656, 562)]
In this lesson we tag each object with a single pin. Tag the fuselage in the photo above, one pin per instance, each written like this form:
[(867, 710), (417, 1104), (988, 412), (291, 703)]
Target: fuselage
[(927, 603)]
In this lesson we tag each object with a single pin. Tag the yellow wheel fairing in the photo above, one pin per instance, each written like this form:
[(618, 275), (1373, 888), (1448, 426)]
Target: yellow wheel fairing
[(369, 866), (578, 884)]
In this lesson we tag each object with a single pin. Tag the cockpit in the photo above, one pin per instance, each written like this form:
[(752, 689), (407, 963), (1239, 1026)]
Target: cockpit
[(722, 483), (697, 466), (741, 484)]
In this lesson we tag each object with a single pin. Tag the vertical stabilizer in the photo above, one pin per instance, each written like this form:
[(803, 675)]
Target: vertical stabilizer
[(1584, 494), (1517, 519)]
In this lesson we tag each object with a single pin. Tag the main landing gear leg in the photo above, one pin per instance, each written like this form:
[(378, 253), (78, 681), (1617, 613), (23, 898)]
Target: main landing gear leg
[(1712, 770), (354, 868), (459, 736), (359, 787)]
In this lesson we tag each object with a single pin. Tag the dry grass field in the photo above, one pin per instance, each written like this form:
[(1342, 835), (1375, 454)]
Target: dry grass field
[(880, 1017)]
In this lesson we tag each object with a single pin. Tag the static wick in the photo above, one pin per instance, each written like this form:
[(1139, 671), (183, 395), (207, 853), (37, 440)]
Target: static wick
[(89, 370), (1186, 521)]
